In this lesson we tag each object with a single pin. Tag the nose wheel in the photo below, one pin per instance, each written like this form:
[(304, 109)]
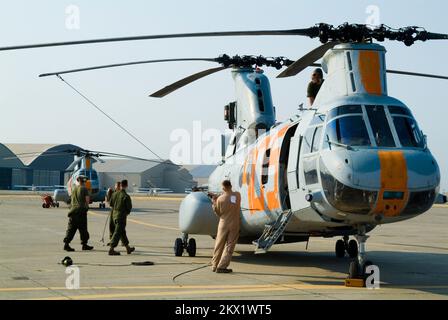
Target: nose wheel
[(357, 269), (185, 244), (344, 246)]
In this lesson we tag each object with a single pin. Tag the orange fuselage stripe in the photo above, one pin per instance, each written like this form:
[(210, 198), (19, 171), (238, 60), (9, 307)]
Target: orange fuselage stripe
[(394, 177), (369, 69)]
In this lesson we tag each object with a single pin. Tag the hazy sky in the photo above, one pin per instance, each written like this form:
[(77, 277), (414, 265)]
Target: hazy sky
[(44, 110)]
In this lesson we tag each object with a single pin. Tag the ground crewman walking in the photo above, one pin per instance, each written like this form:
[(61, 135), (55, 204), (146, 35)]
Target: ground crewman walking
[(77, 215), (122, 206), (227, 207), (110, 193)]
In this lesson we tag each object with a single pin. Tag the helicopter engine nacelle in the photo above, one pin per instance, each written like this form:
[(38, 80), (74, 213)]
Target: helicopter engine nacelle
[(196, 215)]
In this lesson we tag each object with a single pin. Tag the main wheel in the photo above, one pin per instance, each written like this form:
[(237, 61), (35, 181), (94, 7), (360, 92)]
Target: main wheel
[(57, 204), (352, 248), (340, 249), (43, 205), (191, 248), (354, 270), (178, 247)]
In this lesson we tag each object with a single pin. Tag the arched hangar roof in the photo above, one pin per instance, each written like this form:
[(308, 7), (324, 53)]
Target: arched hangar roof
[(43, 156)]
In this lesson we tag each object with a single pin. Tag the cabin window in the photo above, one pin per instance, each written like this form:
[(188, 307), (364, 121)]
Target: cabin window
[(308, 141), (265, 167), (408, 132), (316, 139), (260, 100), (348, 130), (310, 170), (380, 126)]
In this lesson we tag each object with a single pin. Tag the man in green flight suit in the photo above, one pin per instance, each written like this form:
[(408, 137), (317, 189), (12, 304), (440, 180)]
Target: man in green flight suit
[(77, 216), (122, 206)]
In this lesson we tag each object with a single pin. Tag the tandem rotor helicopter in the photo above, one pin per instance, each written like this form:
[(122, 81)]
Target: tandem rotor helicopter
[(356, 160), (82, 165)]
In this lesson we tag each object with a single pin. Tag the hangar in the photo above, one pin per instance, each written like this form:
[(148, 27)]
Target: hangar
[(44, 166)]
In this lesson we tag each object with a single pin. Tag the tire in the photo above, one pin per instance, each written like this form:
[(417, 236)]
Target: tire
[(353, 271), (191, 248), (352, 248), (340, 249), (43, 205), (178, 247), (57, 205)]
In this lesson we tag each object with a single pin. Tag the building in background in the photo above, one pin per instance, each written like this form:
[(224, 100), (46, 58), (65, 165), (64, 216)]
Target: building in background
[(144, 175), (200, 173), (33, 164), (24, 166)]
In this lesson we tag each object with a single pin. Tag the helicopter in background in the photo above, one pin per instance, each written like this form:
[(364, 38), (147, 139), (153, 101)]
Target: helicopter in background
[(356, 160)]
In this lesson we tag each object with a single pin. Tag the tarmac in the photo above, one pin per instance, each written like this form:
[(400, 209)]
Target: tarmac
[(412, 257)]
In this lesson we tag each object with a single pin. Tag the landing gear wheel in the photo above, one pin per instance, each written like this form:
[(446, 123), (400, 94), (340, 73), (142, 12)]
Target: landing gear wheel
[(352, 248), (191, 247), (178, 247), (43, 205), (340, 249), (354, 270), (57, 204)]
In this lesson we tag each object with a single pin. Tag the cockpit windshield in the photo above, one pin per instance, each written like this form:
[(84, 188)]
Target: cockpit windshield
[(408, 132), (348, 130), (372, 125)]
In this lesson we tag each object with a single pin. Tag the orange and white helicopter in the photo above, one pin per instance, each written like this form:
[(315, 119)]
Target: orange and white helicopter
[(356, 160)]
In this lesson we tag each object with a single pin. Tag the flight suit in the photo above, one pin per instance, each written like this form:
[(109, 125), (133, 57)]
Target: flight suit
[(111, 218), (122, 206), (78, 215), (227, 208)]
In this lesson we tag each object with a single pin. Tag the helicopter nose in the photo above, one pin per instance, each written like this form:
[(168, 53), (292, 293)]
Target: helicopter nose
[(406, 180)]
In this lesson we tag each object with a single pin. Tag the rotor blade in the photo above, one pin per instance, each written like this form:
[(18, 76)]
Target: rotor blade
[(307, 60), (35, 154), (183, 82), (406, 73), (124, 64), (415, 74), (305, 32), (436, 36), (110, 154)]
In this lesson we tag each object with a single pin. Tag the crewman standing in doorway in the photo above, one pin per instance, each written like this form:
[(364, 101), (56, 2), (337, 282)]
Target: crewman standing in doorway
[(317, 79), (77, 216), (122, 206), (227, 207)]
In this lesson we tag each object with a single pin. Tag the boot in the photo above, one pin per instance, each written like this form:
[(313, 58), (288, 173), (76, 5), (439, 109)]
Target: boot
[(112, 252), (129, 249), (224, 270), (86, 247), (68, 248)]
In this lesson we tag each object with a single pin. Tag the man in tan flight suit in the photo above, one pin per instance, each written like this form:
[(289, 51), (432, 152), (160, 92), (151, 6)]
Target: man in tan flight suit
[(227, 207)]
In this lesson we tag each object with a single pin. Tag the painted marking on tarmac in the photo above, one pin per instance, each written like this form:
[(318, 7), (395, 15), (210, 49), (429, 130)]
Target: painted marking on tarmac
[(137, 222)]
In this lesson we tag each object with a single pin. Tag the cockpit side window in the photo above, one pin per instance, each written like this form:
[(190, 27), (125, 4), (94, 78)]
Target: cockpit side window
[(380, 126), (408, 132), (348, 130)]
